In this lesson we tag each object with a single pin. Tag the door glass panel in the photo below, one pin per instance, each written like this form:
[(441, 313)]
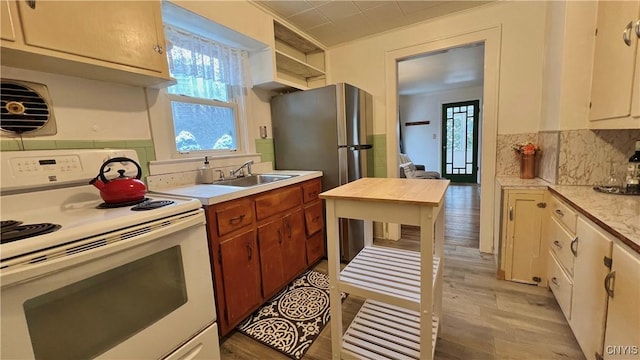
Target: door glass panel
[(461, 134), (84, 319)]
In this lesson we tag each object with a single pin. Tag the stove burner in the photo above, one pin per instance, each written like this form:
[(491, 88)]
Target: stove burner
[(25, 231), (105, 205), (150, 205), (6, 225)]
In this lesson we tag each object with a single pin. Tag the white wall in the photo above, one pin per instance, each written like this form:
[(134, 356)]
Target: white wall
[(90, 109), (423, 142), (362, 62)]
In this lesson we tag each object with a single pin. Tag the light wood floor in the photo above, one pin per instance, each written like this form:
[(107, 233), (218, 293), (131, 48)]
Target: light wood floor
[(483, 318)]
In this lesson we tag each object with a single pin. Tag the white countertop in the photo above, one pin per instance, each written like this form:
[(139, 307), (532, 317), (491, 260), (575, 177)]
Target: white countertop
[(618, 214), (209, 194)]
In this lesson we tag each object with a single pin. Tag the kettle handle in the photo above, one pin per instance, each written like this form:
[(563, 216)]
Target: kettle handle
[(118, 159)]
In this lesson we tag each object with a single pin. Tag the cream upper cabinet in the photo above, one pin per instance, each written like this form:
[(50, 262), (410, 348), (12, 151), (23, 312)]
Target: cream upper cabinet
[(589, 299), (622, 337), (105, 40), (615, 88), (6, 22), (522, 255)]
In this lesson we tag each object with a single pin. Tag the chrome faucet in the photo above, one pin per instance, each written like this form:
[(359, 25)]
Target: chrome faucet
[(247, 164)]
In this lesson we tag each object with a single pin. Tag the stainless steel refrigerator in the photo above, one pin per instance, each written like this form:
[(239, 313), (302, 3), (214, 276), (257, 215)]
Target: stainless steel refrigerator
[(327, 129)]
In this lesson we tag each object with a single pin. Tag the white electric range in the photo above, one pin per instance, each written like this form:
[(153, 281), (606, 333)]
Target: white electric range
[(83, 279)]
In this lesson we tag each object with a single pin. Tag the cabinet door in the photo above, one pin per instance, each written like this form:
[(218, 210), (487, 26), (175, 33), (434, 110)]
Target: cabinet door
[(6, 22), (614, 61), (622, 338), (589, 301), (126, 33), (241, 276), (294, 249), (524, 228), (271, 237)]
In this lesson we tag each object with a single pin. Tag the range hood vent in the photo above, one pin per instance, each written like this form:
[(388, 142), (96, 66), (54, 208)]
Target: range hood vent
[(26, 109)]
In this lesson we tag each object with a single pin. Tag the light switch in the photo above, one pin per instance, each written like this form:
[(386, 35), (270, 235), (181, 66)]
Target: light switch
[(434, 136)]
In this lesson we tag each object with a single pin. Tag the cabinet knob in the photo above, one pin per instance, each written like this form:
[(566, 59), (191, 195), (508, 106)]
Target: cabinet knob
[(31, 3), (638, 29), (554, 280), (159, 49), (626, 34), (559, 212), (557, 244)]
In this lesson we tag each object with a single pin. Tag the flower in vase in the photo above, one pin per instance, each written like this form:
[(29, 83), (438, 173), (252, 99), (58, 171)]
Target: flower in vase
[(527, 148)]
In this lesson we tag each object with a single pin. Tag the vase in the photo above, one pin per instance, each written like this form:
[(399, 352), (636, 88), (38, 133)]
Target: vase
[(527, 166)]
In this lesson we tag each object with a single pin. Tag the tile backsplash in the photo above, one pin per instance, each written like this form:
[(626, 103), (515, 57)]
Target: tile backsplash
[(507, 162), (571, 157), (585, 156)]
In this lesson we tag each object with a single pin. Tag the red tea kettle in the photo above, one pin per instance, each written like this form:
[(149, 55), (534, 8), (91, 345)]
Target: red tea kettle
[(121, 189)]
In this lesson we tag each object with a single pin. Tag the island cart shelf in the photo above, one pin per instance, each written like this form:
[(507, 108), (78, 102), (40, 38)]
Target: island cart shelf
[(401, 316)]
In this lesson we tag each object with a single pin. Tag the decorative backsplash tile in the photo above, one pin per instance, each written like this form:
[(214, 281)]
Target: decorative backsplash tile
[(507, 162), (586, 156), (571, 157), (548, 162)]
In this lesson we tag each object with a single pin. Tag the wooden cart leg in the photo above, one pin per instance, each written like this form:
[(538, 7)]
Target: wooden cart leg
[(426, 281), (333, 263)]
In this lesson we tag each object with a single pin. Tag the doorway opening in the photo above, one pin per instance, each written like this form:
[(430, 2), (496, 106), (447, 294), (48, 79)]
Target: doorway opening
[(443, 90), (488, 131)]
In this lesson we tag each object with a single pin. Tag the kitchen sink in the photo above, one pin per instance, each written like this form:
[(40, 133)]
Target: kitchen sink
[(253, 180)]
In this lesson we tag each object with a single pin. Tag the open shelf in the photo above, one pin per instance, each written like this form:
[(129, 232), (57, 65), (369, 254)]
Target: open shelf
[(290, 64), (386, 274), (381, 330)]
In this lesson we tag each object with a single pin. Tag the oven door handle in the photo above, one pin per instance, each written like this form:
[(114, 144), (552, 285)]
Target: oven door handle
[(76, 253)]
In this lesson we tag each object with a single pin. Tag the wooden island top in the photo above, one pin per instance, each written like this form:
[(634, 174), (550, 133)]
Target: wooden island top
[(391, 190)]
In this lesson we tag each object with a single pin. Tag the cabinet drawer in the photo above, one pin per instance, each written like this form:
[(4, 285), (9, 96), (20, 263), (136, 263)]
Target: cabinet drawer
[(560, 243), (310, 190), (234, 215), (315, 247), (564, 214), (313, 218), (560, 284), (277, 201)]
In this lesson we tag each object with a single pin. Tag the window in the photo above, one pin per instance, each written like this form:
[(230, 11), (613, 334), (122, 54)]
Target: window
[(208, 101)]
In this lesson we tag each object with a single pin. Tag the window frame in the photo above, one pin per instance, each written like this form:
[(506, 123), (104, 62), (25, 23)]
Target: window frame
[(165, 137), (203, 101)]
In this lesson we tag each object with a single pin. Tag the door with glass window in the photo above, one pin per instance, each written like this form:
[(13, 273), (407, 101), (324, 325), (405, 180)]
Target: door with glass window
[(460, 141)]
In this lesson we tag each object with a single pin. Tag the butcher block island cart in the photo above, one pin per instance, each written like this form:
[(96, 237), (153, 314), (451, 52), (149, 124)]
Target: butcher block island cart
[(400, 318)]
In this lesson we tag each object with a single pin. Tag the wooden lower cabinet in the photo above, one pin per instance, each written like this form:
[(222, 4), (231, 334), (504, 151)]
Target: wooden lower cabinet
[(294, 247), (259, 243), (622, 336), (241, 275), (282, 251), (521, 254), (589, 298)]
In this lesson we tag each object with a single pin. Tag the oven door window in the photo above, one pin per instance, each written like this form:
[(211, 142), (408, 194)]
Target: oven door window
[(84, 319)]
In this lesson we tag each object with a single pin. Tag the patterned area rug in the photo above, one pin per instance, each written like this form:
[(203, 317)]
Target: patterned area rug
[(294, 318)]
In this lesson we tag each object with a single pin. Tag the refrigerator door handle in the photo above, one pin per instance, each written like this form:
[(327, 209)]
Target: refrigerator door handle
[(356, 147)]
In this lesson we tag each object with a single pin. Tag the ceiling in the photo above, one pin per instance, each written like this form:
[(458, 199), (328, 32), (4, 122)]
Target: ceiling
[(339, 21), (446, 70)]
